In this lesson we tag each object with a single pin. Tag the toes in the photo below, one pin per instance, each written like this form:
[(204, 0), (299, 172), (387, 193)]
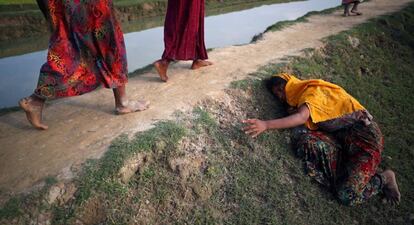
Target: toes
[(164, 78), (143, 105), (392, 198), (134, 106), (42, 127)]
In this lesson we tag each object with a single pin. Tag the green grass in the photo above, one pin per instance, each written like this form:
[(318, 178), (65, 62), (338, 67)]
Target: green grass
[(100, 176), (12, 208), (10, 2), (258, 181), (282, 24), (379, 73)]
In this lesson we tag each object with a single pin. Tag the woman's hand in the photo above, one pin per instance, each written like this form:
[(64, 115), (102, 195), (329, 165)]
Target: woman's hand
[(254, 127)]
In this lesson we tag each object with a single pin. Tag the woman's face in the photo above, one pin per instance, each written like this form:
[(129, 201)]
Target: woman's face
[(279, 91)]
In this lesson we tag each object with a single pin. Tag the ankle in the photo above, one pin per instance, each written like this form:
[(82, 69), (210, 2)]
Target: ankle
[(165, 62), (387, 176), (36, 101), (122, 103)]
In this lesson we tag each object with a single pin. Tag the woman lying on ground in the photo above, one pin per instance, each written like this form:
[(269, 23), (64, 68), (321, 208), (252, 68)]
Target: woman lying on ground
[(335, 135)]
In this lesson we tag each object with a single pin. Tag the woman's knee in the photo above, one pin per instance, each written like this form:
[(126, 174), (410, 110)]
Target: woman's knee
[(315, 143)]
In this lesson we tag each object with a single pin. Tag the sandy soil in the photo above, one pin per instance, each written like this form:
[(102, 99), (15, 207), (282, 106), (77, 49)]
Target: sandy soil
[(83, 127)]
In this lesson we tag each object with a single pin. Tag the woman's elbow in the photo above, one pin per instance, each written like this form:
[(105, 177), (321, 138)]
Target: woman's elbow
[(303, 118), (303, 114)]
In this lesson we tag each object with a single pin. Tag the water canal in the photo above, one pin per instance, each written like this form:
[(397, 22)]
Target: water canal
[(18, 74)]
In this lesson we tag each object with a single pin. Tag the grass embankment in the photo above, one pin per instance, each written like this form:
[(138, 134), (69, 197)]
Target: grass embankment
[(13, 2), (282, 24), (202, 169)]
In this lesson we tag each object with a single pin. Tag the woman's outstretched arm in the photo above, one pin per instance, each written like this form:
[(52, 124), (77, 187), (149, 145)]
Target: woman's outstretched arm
[(256, 126)]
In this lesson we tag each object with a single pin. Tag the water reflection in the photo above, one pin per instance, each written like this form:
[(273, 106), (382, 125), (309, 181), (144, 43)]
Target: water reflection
[(18, 74)]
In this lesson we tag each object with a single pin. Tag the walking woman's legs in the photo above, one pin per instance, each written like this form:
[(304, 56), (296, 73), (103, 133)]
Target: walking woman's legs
[(346, 9), (355, 9), (124, 106)]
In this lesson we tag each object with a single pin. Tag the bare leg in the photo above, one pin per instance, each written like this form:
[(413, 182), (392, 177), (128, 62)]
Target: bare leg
[(346, 10), (162, 66), (198, 63), (391, 191), (125, 106), (33, 107), (355, 9)]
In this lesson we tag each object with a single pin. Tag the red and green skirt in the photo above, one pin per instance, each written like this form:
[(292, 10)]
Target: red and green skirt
[(345, 160), (86, 49)]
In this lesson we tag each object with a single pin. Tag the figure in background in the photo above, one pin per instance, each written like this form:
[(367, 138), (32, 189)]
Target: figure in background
[(347, 4)]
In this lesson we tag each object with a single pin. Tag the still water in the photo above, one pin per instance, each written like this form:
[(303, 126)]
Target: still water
[(18, 74)]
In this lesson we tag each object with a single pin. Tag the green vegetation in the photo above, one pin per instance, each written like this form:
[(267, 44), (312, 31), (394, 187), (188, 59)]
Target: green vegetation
[(12, 208), (202, 169), (13, 2), (282, 24), (372, 62)]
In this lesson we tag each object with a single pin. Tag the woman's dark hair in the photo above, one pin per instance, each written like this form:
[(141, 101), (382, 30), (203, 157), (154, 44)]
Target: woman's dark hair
[(274, 81)]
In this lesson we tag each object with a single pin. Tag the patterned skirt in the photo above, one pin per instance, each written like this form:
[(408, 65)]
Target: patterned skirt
[(345, 160), (86, 49)]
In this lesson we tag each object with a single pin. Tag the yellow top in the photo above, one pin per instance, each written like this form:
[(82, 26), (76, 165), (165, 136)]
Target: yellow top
[(325, 100)]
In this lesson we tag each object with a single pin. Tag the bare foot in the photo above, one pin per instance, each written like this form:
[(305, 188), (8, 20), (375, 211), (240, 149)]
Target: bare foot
[(33, 112), (356, 13), (161, 66), (200, 63), (345, 14), (391, 191), (132, 106)]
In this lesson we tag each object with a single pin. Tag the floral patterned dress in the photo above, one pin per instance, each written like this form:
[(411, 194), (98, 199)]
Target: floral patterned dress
[(86, 48), (344, 154)]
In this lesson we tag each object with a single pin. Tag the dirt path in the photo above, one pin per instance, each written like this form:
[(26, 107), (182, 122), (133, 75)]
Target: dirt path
[(83, 127)]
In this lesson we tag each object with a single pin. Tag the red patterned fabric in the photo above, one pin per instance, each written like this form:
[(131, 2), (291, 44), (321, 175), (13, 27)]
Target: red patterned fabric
[(86, 49), (184, 30), (345, 160)]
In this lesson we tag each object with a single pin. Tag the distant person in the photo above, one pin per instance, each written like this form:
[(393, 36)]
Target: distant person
[(354, 10), (86, 49), (183, 35), (340, 143)]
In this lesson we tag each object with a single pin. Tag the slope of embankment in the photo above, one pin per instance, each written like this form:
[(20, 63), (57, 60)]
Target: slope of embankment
[(200, 168)]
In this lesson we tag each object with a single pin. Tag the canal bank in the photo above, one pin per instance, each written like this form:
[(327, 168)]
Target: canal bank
[(24, 23), (199, 168), (144, 47)]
